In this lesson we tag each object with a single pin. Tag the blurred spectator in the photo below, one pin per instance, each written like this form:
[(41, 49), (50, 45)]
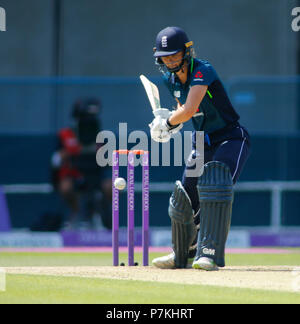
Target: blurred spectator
[(83, 185)]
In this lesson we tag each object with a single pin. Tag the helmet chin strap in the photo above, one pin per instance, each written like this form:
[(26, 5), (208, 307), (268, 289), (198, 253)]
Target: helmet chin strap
[(177, 68), (181, 65)]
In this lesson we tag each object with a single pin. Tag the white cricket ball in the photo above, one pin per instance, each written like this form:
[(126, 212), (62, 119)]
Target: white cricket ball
[(120, 183)]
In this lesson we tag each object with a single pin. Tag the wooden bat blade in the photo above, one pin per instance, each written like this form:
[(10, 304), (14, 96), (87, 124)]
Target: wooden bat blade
[(152, 92)]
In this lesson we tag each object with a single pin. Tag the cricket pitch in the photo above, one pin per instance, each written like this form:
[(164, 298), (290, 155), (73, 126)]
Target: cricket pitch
[(276, 278)]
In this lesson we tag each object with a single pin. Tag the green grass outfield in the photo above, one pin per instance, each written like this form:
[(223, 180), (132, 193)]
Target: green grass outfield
[(57, 289)]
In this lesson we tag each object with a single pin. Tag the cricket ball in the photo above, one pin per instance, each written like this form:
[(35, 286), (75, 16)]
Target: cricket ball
[(120, 183)]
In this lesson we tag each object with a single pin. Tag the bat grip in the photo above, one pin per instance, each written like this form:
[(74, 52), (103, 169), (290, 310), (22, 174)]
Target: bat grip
[(178, 101)]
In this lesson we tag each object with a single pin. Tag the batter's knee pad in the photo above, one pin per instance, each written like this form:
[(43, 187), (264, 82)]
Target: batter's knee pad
[(183, 227), (215, 188)]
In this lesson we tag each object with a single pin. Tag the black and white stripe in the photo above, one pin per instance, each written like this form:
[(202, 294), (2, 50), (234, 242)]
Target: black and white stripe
[(240, 154)]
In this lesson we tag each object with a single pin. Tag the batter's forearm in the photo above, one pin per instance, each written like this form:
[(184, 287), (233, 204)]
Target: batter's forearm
[(187, 111), (181, 115)]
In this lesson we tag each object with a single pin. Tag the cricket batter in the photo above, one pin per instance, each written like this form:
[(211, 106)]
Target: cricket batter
[(200, 207)]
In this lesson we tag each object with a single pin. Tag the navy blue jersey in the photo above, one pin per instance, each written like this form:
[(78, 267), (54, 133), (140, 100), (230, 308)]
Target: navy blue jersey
[(215, 111)]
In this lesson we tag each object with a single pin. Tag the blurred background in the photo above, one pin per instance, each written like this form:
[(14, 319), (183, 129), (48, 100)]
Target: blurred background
[(57, 55)]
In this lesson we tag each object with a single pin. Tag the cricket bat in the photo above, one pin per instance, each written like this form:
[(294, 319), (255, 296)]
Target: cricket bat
[(152, 92)]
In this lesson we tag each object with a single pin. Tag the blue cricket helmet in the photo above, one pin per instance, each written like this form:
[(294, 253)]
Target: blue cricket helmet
[(171, 40)]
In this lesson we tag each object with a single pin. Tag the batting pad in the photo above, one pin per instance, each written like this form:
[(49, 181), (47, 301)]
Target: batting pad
[(215, 189), (183, 227)]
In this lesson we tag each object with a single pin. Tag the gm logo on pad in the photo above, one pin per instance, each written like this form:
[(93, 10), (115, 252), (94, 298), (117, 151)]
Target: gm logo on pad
[(2, 20), (209, 251)]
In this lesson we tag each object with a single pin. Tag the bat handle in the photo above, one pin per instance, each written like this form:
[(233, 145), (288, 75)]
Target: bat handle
[(178, 101)]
